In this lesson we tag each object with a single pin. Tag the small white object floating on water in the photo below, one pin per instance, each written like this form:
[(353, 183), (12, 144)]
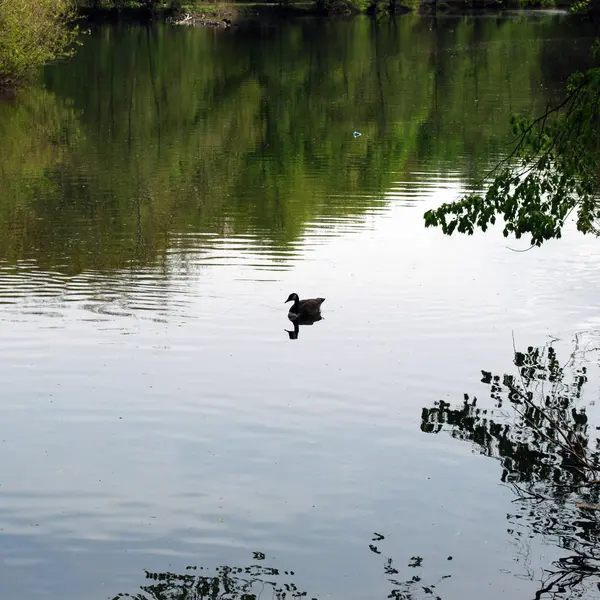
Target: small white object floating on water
[(356, 134)]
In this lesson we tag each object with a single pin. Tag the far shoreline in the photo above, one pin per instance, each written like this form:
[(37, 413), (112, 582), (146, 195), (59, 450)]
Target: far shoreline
[(225, 15)]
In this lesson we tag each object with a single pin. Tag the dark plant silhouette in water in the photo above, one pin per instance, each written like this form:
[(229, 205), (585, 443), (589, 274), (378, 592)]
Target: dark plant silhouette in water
[(256, 581), (409, 589), (539, 431), (197, 583)]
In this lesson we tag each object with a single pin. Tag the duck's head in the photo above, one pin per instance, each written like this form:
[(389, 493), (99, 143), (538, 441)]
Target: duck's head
[(292, 298)]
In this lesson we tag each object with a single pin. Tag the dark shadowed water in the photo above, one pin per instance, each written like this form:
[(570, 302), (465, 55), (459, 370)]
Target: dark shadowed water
[(160, 196)]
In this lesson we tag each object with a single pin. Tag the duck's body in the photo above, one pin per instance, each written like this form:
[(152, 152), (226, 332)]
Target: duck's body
[(309, 308)]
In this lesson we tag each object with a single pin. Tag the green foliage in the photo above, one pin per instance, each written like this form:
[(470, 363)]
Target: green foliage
[(322, 7), (33, 33), (590, 7), (210, 6), (346, 6), (537, 3), (553, 172), (148, 5)]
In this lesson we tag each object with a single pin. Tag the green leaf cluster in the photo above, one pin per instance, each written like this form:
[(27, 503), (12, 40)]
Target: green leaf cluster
[(33, 33), (148, 5), (552, 173)]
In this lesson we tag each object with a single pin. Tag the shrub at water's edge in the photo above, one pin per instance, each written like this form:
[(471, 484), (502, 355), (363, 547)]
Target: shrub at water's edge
[(33, 33)]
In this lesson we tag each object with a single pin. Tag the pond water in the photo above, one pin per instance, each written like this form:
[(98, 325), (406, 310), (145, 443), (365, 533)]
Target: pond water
[(161, 195)]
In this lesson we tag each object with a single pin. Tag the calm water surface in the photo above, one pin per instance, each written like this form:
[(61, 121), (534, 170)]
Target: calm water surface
[(161, 195)]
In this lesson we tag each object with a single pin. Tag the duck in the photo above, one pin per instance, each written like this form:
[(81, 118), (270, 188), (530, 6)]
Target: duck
[(302, 309)]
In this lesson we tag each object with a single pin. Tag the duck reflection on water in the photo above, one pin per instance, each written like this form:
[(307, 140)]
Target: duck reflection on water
[(303, 320)]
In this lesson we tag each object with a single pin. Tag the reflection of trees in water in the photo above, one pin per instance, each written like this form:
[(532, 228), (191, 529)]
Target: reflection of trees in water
[(412, 588), (246, 583), (538, 429), (207, 136), (261, 581)]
